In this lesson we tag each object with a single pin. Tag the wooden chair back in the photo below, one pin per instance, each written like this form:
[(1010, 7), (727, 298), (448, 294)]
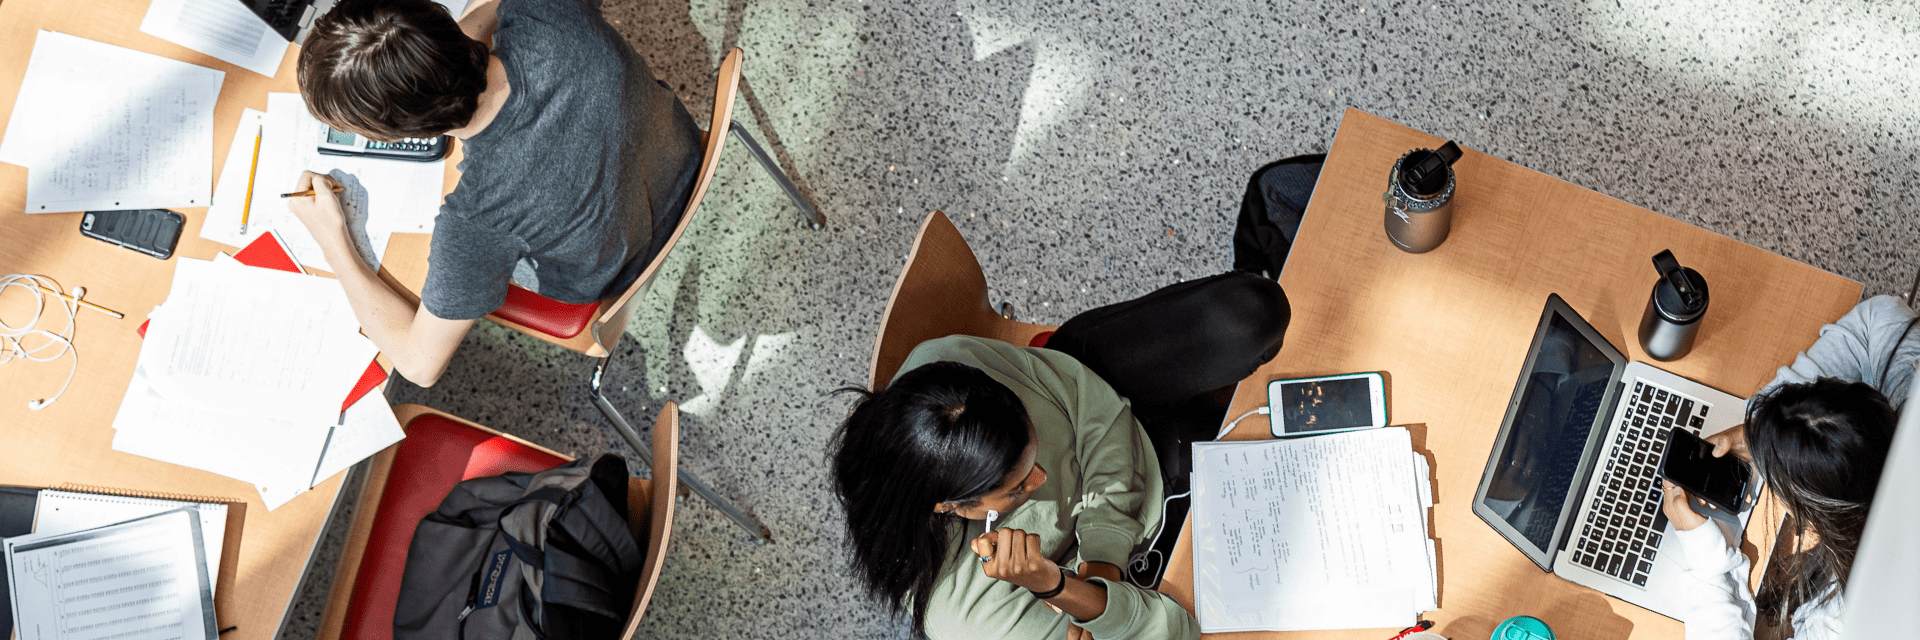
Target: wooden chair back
[(655, 499), (941, 292), (380, 467), (611, 319)]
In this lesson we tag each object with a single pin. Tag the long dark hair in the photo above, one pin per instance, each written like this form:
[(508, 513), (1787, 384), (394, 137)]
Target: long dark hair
[(943, 432), (1821, 446)]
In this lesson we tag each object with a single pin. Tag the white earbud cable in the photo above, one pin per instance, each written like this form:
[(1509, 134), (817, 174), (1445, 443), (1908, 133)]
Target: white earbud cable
[(1141, 562), (12, 337)]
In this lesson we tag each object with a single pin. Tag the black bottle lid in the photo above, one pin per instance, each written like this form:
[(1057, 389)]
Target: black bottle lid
[(1681, 293), (1425, 172)]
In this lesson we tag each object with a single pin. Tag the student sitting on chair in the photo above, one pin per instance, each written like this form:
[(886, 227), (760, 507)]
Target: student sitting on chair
[(1075, 468), (578, 164), (1819, 435)]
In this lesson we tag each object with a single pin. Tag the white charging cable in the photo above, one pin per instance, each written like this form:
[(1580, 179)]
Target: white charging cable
[(1142, 562), (12, 338)]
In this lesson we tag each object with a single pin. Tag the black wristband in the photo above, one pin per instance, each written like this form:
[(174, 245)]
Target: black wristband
[(1054, 591)]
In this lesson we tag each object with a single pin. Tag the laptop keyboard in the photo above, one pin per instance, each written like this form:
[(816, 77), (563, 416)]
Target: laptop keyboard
[(1621, 536)]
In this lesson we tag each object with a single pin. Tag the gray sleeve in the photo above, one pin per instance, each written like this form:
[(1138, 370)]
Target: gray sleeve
[(1854, 348), (467, 269)]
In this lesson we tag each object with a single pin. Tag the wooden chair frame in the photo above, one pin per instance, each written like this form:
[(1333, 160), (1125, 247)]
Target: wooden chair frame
[(611, 317), (941, 292), (653, 498)]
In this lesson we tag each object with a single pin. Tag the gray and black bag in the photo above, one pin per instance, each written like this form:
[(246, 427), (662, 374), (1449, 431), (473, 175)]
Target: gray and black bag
[(524, 556)]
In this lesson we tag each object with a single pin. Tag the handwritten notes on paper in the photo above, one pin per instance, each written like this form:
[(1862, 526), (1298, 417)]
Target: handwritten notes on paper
[(105, 127), (224, 29), (383, 197), (1327, 532)]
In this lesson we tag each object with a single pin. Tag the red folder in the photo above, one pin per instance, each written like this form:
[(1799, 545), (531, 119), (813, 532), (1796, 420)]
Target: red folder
[(268, 252)]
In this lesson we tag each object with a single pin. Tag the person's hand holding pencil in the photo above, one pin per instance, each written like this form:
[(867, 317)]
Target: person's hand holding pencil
[(319, 209), (309, 193)]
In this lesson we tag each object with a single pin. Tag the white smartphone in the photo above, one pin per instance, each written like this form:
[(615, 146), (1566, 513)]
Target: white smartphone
[(1327, 404)]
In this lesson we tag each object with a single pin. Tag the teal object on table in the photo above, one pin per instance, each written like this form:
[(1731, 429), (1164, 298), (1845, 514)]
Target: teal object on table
[(1522, 628)]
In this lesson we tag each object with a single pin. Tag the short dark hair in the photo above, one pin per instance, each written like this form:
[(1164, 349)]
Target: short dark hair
[(943, 432), (1821, 446), (392, 69)]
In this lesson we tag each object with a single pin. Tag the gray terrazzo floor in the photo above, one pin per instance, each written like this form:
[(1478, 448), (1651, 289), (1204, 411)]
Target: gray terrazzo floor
[(1093, 151)]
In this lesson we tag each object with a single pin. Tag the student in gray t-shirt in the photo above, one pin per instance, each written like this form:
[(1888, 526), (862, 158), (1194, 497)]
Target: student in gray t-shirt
[(577, 163)]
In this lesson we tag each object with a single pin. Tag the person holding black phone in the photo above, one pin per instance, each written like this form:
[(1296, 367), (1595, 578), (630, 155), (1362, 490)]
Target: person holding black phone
[(1818, 434)]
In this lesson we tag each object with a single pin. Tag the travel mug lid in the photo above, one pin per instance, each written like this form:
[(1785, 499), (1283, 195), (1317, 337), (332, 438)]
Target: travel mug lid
[(1681, 293), (1425, 172)]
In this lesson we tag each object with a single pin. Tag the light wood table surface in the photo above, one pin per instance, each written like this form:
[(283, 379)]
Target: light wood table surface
[(69, 443), (1451, 327)]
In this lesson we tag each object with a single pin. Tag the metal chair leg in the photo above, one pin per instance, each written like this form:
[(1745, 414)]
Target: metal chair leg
[(760, 533), (811, 215)]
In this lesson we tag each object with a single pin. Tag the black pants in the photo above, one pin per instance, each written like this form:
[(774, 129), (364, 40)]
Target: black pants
[(1177, 353)]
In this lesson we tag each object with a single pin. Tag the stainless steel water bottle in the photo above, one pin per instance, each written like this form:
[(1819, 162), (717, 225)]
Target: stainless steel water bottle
[(1419, 198), (1674, 310)]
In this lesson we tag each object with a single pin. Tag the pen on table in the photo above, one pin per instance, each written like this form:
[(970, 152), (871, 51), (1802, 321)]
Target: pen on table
[(117, 315), (309, 192), (1423, 626), (246, 208)]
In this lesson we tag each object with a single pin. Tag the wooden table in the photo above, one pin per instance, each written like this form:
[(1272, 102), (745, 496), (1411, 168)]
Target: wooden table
[(1451, 328), (69, 443)]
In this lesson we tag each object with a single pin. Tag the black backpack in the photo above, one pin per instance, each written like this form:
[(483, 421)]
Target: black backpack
[(524, 556), (1270, 213)]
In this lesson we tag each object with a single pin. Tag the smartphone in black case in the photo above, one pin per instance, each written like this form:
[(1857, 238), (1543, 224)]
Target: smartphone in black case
[(154, 232), (1722, 481)]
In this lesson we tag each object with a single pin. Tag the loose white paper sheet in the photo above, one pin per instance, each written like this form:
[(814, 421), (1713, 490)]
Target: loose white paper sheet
[(67, 511), (382, 197), (368, 427), (1326, 532), (224, 29), (275, 455), (101, 127), (255, 342), (146, 578)]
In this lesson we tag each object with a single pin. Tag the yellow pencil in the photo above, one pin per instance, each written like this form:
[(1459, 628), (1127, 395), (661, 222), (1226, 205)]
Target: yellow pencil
[(84, 303), (246, 209)]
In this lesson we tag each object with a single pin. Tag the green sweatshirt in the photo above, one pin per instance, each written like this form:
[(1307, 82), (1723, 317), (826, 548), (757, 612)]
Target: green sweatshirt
[(1102, 501)]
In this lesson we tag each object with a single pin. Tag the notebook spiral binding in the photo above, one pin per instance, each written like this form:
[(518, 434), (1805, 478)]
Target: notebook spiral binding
[(130, 493)]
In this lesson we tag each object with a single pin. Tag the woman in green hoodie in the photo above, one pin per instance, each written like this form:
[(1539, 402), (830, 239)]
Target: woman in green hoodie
[(997, 491)]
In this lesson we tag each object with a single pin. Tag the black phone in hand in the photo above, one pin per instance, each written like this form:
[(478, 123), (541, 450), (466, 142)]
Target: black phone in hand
[(1721, 482)]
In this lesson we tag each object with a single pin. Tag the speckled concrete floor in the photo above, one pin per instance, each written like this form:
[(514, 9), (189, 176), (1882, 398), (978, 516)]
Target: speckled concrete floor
[(1093, 151)]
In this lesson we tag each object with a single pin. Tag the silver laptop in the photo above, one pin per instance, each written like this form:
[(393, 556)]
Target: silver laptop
[(1573, 477)]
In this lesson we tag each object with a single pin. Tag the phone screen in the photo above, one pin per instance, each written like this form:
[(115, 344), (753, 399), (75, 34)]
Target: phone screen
[(1321, 405), (1690, 463)]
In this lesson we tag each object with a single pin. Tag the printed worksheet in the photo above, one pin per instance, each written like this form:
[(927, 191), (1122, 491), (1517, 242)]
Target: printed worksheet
[(144, 578)]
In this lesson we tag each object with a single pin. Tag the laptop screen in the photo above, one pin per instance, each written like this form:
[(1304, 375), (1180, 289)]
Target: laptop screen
[(1532, 479)]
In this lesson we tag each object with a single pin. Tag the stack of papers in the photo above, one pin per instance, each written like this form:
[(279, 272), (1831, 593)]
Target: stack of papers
[(382, 196), (1326, 532), (101, 127), (243, 373)]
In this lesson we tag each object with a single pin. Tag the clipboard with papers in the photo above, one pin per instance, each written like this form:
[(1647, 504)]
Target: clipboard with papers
[(1327, 532)]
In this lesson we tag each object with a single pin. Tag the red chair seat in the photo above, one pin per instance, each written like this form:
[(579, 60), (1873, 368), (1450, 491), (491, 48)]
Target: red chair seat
[(545, 315), (437, 454)]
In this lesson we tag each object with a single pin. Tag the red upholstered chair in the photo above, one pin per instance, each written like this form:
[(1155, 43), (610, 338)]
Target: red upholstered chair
[(408, 480), (594, 329), (941, 292)]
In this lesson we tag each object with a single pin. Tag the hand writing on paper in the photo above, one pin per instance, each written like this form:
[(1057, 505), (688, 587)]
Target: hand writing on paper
[(320, 212)]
